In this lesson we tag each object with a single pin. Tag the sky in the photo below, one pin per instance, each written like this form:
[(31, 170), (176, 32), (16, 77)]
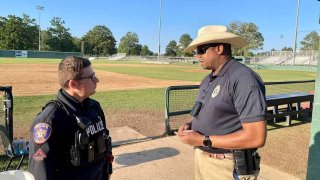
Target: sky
[(276, 19)]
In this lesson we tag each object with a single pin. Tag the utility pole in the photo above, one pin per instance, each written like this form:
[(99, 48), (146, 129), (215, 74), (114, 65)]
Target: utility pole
[(159, 30), (39, 8), (296, 33)]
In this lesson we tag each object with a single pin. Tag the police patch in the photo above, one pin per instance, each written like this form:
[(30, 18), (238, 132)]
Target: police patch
[(41, 133), (39, 155), (215, 92)]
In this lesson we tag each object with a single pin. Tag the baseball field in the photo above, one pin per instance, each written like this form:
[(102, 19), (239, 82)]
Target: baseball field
[(133, 93)]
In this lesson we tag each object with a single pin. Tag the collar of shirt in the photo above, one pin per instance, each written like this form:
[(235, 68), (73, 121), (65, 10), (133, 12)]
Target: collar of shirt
[(224, 68), (70, 101)]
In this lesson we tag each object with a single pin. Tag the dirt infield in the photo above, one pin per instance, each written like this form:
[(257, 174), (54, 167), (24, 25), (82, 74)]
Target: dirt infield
[(41, 79)]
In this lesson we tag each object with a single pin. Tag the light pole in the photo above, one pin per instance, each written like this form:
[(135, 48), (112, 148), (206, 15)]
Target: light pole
[(296, 34), (159, 30), (39, 8)]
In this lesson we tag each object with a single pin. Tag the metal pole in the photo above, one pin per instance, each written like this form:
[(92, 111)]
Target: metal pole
[(159, 30), (39, 8), (296, 33), (313, 170)]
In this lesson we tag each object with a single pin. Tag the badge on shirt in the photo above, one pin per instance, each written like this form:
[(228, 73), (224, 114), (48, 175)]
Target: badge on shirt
[(215, 92), (41, 133), (39, 155)]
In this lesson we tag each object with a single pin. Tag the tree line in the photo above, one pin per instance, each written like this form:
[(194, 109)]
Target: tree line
[(22, 33)]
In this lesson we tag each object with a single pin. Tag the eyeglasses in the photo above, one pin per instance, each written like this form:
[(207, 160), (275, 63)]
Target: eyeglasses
[(92, 77), (202, 49)]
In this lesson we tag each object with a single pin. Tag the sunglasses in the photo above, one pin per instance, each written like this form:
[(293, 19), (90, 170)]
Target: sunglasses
[(202, 49), (92, 77)]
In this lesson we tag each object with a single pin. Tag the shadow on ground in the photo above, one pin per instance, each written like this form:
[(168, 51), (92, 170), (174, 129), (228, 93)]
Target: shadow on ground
[(132, 159)]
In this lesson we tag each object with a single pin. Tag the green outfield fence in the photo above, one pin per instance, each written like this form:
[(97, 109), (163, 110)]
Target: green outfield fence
[(37, 54), (179, 100)]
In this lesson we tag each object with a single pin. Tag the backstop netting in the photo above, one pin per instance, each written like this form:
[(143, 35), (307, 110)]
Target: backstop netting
[(179, 102)]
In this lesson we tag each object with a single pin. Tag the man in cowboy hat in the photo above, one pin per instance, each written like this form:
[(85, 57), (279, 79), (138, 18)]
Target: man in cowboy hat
[(228, 123)]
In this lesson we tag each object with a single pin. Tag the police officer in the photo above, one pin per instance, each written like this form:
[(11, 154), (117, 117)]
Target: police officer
[(228, 122), (69, 137)]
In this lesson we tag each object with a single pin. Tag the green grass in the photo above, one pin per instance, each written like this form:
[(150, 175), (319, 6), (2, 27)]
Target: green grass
[(189, 72), (141, 99), (28, 61), (285, 75), (167, 72)]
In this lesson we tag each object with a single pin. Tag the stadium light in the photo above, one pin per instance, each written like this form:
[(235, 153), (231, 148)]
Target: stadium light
[(159, 30), (296, 34), (39, 8)]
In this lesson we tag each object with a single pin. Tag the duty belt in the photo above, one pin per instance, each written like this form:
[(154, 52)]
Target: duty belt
[(220, 156)]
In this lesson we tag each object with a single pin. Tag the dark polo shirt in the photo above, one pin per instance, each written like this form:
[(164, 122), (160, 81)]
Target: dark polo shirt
[(234, 96)]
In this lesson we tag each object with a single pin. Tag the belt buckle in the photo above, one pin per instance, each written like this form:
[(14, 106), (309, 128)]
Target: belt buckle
[(219, 156)]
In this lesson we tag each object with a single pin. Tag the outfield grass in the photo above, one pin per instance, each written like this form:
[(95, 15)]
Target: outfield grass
[(28, 61), (193, 74)]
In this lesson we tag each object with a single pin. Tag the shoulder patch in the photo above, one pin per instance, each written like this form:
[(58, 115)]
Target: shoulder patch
[(41, 133), (39, 155)]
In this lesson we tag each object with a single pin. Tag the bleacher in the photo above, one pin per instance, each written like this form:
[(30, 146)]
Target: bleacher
[(306, 58), (118, 56)]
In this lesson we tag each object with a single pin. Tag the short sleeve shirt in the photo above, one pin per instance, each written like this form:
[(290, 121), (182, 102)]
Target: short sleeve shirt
[(234, 96)]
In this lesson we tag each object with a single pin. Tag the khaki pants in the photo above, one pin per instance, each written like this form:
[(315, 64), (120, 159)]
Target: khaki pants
[(208, 168)]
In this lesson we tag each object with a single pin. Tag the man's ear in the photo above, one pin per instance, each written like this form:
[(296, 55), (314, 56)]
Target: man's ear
[(220, 49), (73, 84)]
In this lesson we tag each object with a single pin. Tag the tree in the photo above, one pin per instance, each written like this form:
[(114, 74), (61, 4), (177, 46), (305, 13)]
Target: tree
[(77, 44), (250, 32), (184, 42), (287, 49), (145, 51), (310, 41), (45, 40), (59, 38), (18, 33), (129, 44), (171, 49), (99, 41)]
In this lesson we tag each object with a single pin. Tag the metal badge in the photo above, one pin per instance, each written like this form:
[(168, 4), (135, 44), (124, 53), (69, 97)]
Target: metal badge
[(215, 92)]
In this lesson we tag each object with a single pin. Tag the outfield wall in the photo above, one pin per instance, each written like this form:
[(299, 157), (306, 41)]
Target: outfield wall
[(37, 54)]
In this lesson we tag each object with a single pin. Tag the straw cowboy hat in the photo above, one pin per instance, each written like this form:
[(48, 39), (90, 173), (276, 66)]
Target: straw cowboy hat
[(216, 34)]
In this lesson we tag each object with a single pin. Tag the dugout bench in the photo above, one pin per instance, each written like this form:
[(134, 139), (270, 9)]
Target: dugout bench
[(180, 100)]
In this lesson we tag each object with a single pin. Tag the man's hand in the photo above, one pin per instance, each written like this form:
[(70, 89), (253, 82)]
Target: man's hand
[(190, 137), (185, 127)]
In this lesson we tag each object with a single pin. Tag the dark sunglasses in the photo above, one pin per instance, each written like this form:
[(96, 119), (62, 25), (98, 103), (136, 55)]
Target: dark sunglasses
[(202, 49), (92, 77)]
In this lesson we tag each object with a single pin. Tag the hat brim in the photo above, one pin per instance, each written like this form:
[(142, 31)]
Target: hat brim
[(228, 38)]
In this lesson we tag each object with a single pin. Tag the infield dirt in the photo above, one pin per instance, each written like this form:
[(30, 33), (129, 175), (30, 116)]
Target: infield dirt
[(41, 79)]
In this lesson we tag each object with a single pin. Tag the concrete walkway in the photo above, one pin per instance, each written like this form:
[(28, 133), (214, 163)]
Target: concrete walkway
[(161, 159)]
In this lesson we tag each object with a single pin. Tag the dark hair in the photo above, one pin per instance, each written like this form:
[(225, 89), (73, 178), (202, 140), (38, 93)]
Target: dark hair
[(226, 49), (70, 68)]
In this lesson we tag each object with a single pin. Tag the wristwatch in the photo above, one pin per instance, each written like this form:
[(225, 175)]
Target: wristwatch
[(207, 142)]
